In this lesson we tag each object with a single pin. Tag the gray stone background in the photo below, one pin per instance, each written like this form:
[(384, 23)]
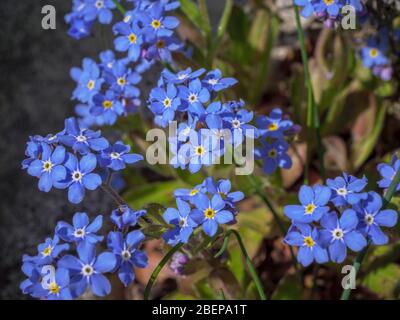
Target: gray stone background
[(35, 90)]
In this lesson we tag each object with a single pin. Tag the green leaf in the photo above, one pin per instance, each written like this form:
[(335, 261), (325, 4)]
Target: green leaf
[(195, 15), (205, 291), (153, 231), (384, 281), (361, 150), (155, 212), (162, 192)]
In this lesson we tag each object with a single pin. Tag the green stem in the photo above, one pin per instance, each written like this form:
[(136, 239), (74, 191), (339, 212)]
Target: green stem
[(223, 23), (114, 194), (157, 270), (250, 266), (120, 7), (312, 109), (278, 220), (361, 255)]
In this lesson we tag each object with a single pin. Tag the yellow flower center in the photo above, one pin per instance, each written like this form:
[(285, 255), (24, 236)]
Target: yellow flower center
[(209, 213), (160, 44), (47, 165), (121, 81), (273, 127), (373, 52), (132, 38), (47, 251), (156, 24), (90, 85), (199, 150), (54, 288), (107, 104), (167, 102), (329, 2), (310, 208), (309, 242), (272, 153), (194, 192)]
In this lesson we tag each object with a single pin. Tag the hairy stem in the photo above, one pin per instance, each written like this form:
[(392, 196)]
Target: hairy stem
[(249, 264), (278, 220), (157, 270), (120, 7), (313, 121), (114, 194)]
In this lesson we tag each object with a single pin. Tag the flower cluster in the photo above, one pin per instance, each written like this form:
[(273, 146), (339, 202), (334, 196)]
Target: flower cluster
[(207, 128), (69, 159), (374, 55), (105, 91), (330, 11), (374, 50), (108, 89), (147, 31), (322, 235), (388, 171), (207, 205), (274, 131), (85, 12), (55, 273)]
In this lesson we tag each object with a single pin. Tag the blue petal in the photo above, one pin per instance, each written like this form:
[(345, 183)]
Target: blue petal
[(338, 251), (294, 238), (95, 225), (329, 221), (295, 213), (377, 236), (348, 220), (70, 262), (98, 144), (91, 181), (386, 218), (80, 220), (76, 192), (320, 254), (86, 252), (58, 173), (58, 155), (140, 259), (126, 274), (210, 227), (306, 195), (133, 238), (35, 168), (184, 207), (224, 216), (45, 182), (171, 216), (105, 262), (217, 203), (100, 285), (322, 195), (197, 216), (305, 256), (88, 163), (132, 158), (355, 241)]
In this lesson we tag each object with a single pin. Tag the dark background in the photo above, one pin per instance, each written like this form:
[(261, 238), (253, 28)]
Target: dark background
[(35, 90)]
